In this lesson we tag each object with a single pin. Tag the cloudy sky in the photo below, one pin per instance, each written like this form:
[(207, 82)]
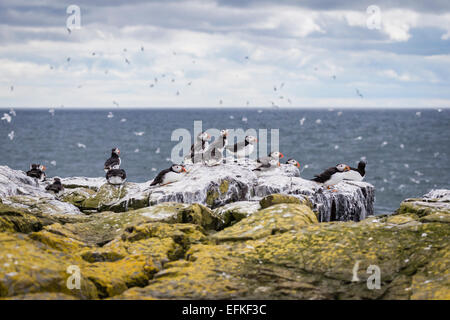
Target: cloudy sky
[(231, 53)]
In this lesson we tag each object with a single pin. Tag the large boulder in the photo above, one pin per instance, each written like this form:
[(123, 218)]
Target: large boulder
[(209, 186), (229, 182), (306, 260)]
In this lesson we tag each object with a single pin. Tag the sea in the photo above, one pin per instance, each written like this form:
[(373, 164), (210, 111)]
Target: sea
[(407, 150)]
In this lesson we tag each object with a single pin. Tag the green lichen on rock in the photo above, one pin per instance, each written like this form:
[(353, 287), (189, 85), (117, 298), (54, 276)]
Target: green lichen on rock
[(277, 198), (277, 218), (77, 196), (215, 193), (236, 211), (242, 250), (201, 215), (117, 198), (41, 269), (16, 220), (223, 188)]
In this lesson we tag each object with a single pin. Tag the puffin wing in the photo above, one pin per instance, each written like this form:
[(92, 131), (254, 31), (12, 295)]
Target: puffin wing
[(237, 146), (326, 175), (34, 173), (263, 160), (123, 174), (112, 162), (159, 177)]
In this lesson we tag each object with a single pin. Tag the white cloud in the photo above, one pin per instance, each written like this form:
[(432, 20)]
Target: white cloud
[(293, 45)]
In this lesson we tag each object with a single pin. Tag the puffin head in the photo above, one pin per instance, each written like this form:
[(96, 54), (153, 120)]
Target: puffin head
[(178, 168), (361, 165), (251, 139), (115, 151), (57, 180), (276, 155), (34, 166), (274, 162), (342, 167), (224, 132), (204, 136), (293, 162)]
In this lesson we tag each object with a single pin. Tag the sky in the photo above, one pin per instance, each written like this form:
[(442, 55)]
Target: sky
[(225, 53)]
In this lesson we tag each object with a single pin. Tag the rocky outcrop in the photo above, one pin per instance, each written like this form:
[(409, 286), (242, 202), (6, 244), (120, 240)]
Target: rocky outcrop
[(210, 186), (228, 183), (272, 249), (221, 236)]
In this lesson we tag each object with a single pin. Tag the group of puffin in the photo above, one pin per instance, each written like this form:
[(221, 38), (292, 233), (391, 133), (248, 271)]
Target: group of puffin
[(212, 154), (37, 171)]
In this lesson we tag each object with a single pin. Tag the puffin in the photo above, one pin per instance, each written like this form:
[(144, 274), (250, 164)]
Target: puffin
[(270, 165), (199, 147), (116, 176), (243, 148), (37, 171), (332, 175), (56, 187), (356, 174), (114, 160), (214, 154), (293, 162), (291, 168), (273, 155), (172, 174)]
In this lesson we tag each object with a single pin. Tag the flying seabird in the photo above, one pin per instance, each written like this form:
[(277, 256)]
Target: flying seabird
[(6, 117), (359, 94)]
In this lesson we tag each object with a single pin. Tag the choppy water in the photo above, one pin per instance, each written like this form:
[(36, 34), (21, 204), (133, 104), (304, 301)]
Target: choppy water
[(407, 153)]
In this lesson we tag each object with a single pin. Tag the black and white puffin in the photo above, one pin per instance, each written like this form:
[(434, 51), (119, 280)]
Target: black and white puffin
[(56, 187), (243, 148), (291, 168), (356, 174), (37, 171), (332, 175), (200, 146), (116, 176), (293, 162), (270, 165), (172, 174), (273, 155), (113, 161), (214, 154)]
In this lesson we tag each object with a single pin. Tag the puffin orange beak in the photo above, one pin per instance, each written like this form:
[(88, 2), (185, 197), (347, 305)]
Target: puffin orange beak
[(118, 151), (297, 165), (184, 169), (281, 155), (347, 168), (44, 168)]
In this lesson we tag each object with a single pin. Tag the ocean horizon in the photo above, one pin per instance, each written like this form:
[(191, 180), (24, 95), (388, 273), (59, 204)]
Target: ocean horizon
[(407, 150)]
